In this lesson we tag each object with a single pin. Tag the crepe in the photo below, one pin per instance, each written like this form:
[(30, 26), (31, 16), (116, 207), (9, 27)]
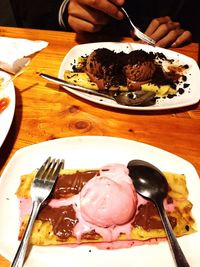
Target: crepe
[(83, 80), (43, 233)]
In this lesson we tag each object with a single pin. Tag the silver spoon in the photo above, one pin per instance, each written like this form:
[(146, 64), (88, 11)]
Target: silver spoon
[(135, 98), (150, 183)]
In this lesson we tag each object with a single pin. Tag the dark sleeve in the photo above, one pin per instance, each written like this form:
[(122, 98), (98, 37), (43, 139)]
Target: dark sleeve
[(6, 14), (38, 14), (190, 19)]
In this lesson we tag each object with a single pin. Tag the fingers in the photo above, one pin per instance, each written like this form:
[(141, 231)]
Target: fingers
[(82, 18), (169, 38), (167, 33), (117, 2), (165, 29), (156, 23), (185, 37), (91, 15), (79, 25), (106, 7)]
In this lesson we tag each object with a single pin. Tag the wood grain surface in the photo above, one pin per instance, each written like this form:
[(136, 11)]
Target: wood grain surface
[(44, 111)]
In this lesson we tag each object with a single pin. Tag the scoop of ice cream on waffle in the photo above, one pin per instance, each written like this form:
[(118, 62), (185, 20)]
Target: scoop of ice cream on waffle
[(109, 199)]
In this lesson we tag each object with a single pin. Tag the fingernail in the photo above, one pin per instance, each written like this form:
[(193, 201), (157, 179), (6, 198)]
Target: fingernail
[(120, 15), (119, 2), (174, 44)]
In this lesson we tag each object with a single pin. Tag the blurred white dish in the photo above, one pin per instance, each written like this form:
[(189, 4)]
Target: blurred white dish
[(93, 152), (189, 97), (6, 116)]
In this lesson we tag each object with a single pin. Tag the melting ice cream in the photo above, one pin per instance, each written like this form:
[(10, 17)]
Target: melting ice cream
[(109, 199)]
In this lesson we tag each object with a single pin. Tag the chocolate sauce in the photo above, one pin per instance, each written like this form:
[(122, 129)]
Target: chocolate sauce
[(92, 235), (148, 218), (63, 219), (71, 184)]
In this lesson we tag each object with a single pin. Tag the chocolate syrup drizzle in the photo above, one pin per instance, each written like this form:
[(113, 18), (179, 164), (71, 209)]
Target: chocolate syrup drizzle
[(63, 219)]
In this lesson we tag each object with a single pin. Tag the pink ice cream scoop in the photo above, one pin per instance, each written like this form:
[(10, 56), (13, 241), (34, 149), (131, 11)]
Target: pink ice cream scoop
[(109, 199)]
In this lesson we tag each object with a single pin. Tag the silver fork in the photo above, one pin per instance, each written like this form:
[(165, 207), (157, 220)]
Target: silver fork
[(137, 32), (41, 187)]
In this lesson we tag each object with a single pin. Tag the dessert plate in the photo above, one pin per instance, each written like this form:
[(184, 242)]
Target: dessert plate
[(93, 152), (6, 116), (189, 97)]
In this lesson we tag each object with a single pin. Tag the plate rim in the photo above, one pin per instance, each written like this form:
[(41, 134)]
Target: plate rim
[(11, 108)]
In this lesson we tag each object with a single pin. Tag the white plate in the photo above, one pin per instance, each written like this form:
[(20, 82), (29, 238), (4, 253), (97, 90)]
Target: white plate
[(92, 152), (189, 97), (6, 116)]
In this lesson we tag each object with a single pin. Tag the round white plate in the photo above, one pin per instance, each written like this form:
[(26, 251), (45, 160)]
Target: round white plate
[(93, 152), (189, 97), (6, 116)]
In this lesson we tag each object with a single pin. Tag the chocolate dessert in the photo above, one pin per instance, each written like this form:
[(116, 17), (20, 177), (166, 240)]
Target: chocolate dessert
[(137, 70), (102, 207)]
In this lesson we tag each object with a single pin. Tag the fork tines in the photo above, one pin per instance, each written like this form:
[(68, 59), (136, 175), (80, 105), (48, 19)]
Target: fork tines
[(50, 169)]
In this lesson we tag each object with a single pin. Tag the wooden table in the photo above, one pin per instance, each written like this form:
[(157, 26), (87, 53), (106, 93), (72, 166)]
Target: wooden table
[(44, 111)]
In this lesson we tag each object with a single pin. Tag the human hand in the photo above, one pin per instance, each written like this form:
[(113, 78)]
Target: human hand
[(167, 33), (92, 15)]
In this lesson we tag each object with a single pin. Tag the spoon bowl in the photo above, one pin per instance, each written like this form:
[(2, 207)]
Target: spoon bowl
[(136, 98), (150, 183), (127, 98), (148, 180)]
